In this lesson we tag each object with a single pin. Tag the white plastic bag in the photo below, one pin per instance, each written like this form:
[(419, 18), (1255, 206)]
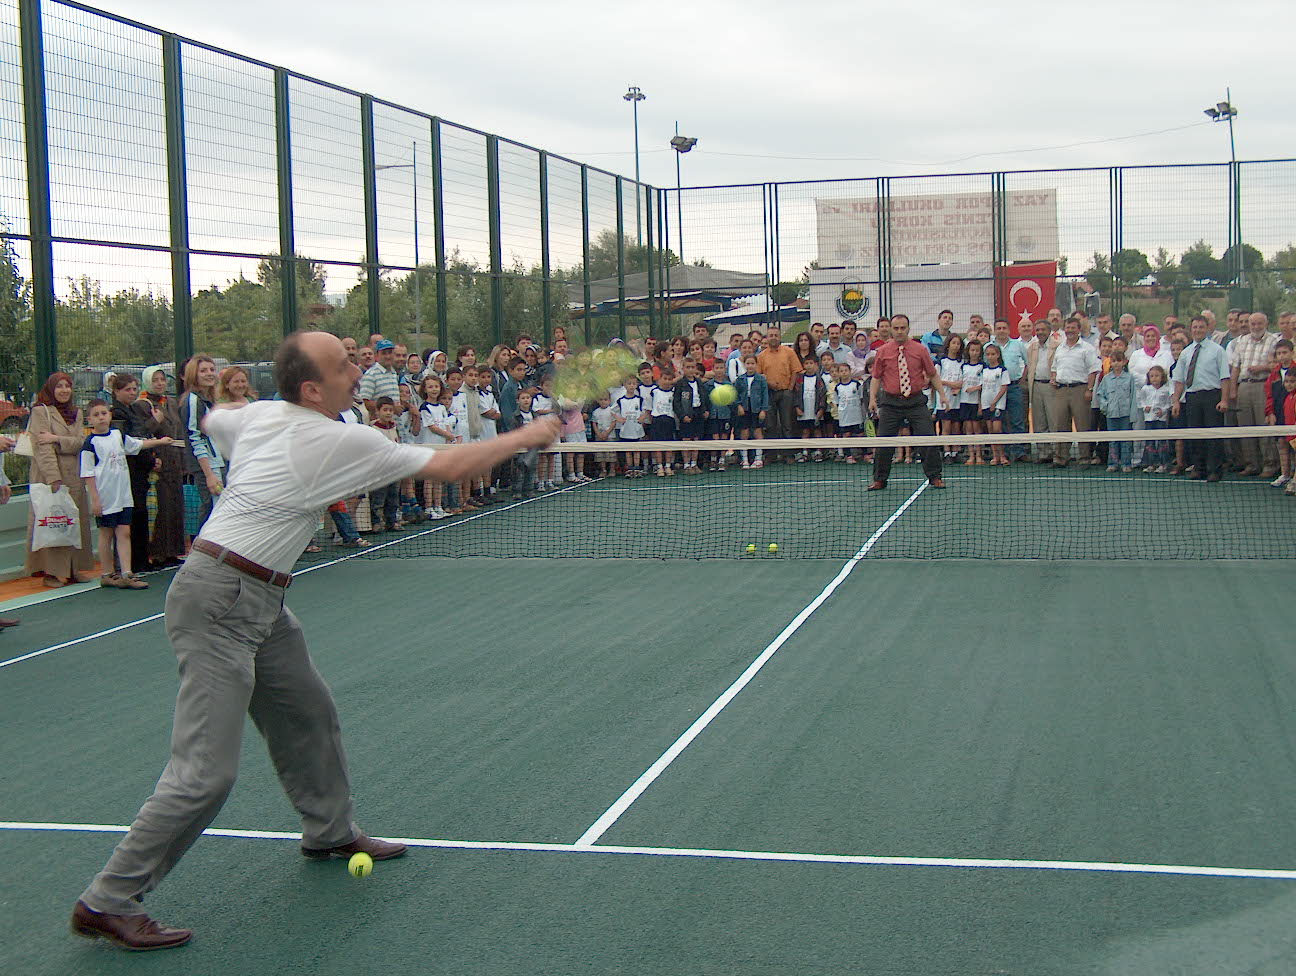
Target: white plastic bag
[(56, 519)]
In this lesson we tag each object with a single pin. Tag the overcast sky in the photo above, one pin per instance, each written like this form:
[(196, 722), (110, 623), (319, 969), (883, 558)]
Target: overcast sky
[(898, 88)]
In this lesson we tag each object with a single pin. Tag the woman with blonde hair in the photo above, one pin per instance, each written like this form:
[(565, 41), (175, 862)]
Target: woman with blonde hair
[(234, 386), (204, 466)]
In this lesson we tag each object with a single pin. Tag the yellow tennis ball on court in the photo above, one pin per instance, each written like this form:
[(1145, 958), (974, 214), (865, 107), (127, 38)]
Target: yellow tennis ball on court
[(751, 547), (360, 865), (723, 394), (773, 547)]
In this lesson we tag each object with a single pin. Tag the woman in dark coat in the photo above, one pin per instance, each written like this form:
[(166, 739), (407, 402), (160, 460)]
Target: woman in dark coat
[(167, 544)]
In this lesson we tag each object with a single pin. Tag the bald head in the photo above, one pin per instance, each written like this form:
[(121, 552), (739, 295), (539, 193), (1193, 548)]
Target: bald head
[(312, 369)]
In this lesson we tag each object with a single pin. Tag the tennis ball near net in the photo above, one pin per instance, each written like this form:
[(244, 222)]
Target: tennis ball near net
[(723, 395), (360, 865), (773, 547), (751, 548)]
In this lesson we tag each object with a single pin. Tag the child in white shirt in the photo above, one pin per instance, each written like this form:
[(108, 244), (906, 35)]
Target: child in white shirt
[(630, 411), (107, 481), (603, 423)]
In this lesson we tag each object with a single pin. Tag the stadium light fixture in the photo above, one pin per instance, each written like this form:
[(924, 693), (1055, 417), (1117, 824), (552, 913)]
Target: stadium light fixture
[(1225, 111), (681, 145)]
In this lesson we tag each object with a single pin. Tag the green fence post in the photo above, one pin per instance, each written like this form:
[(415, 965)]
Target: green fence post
[(650, 259), (546, 286), (496, 246), (620, 232), (371, 213), (44, 321), (585, 251), (287, 239), (178, 196), (438, 241)]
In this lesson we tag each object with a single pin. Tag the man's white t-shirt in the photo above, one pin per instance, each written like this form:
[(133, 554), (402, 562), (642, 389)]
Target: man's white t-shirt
[(291, 464)]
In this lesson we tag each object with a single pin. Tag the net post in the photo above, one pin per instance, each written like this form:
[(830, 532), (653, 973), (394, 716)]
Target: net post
[(371, 212), (546, 285), (496, 247), (621, 258), (438, 239), (178, 197), (287, 241), (585, 245), (36, 130)]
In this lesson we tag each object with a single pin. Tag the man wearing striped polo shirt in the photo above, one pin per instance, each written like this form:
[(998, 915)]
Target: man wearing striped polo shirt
[(1251, 357), (381, 379)]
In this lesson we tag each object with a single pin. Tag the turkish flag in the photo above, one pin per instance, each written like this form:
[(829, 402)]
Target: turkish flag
[(1025, 292)]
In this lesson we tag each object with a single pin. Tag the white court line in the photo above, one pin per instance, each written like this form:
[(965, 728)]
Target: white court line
[(1111, 867), (309, 569), (739, 484), (614, 812)]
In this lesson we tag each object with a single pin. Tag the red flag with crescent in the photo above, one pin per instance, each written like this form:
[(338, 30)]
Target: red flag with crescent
[(1025, 292)]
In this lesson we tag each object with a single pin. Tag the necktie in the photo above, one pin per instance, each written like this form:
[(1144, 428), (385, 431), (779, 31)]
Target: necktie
[(1192, 367), (902, 364)]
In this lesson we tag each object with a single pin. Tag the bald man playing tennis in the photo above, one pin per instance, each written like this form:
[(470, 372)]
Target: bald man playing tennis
[(241, 651)]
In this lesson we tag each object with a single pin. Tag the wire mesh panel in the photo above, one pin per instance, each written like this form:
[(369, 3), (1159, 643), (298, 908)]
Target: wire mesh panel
[(940, 247), (1062, 224), (605, 257), (327, 172), (1174, 231), (113, 308), (634, 229), (108, 176), (17, 335), (828, 238), (236, 307), (468, 311), (402, 156), (1268, 192), (230, 154), (519, 191), (463, 176), (566, 234), (13, 165)]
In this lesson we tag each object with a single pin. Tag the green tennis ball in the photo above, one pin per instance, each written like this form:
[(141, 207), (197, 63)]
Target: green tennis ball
[(360, 865), (751, 547), (723, 395), (773, 547)]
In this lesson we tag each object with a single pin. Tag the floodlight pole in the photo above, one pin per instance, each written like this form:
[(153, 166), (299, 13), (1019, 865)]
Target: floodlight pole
[(681, 145), (1224, 111), (635, 96)]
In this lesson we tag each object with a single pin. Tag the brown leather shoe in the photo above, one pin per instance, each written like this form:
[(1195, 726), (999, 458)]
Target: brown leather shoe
[(379, 850), (936, 483), (9, 622), (877, 486), (138, 933)]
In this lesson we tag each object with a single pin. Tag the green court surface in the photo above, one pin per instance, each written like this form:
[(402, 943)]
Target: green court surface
[(945, 767)]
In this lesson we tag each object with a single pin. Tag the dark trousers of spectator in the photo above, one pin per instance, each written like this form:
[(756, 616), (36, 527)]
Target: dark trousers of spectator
[(781, 420), (893, 411), (1098, 421), (386, 501), (1015, 405), (1206, 456), (345, 526), (139, 469)]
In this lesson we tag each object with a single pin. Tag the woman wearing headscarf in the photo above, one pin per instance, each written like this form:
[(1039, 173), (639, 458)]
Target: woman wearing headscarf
[(132, 417), (167, 544), (436, 363), (57, 434)]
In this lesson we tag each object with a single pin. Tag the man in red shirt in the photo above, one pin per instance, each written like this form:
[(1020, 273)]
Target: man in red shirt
[(902, 371)]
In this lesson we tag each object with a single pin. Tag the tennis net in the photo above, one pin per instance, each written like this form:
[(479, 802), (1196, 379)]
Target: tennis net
[(1110, 495)]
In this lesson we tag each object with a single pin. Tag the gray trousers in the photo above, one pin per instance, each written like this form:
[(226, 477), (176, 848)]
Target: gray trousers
[(241, 652), (1257, 452)]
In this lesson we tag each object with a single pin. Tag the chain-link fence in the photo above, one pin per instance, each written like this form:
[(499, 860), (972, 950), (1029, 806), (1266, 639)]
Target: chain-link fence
[(159, 196), (1151, 241)]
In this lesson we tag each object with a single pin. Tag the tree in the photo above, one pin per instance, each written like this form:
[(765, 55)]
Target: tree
[(603, 257), (236, 323), (143, 324), (1164, 269), (1252, 260), (1200, 264), (1098, 274), (1130, 266), (17, 331), (1284, 263)]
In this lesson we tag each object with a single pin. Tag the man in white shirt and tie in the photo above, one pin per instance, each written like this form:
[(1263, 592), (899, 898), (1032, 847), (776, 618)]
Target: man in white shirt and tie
[(1201, 377), (1075, 369)]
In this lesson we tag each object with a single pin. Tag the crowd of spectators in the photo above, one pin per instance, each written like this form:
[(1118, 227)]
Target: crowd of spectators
[(1061, 375)]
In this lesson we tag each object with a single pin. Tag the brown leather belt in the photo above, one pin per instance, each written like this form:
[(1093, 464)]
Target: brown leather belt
[(235, 561)]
